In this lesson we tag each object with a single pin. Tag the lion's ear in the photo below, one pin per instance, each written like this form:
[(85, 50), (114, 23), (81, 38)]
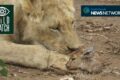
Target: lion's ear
[(26, 6)]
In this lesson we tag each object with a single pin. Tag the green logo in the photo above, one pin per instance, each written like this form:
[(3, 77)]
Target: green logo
[(86, 10), (6, 19)]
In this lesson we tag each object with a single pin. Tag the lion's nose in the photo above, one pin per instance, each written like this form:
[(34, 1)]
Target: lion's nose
[(73, 48)]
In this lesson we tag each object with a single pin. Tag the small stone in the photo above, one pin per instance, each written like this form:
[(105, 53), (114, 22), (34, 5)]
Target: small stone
[(67, 78), (13, 74)]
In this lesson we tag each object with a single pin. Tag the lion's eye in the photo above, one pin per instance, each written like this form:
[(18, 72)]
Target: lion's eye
[(73, 24), (55, 29)]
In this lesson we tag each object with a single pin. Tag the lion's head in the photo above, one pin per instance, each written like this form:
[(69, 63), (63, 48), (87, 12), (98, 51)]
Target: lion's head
[(50, 23)]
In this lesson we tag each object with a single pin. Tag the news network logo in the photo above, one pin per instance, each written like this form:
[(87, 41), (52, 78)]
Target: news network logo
[(6, 19), (86, 10), (100, 10)]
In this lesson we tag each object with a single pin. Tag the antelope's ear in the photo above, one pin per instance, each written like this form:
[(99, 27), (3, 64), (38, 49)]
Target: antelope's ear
[(26, 6)]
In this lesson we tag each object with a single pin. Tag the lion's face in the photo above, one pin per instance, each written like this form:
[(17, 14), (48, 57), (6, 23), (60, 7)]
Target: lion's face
[(52, 29), (60, 38)]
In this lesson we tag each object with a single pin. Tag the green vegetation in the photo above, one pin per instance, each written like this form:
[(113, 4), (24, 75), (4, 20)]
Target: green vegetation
[(3, 69)]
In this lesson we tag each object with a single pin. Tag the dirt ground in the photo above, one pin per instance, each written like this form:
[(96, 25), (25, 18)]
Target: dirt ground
[(103, 33)]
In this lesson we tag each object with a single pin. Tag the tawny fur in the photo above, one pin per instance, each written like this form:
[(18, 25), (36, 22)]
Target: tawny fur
[(47, 23)]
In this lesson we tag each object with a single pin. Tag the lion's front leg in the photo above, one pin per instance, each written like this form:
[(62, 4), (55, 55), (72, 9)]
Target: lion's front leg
[(31, 55)]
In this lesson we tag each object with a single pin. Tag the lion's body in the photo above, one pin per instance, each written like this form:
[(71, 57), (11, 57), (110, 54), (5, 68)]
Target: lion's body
[(37, 22)]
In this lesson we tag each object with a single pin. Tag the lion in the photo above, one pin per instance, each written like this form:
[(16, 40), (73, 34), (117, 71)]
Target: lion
[(44, 32)]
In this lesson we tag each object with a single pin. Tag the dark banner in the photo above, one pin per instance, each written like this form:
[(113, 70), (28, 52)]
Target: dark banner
[(6, 19), (100, 10)]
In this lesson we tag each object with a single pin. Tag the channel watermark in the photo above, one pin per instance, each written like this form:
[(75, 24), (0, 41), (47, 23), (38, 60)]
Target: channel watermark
[(6, 19), (100, 10)]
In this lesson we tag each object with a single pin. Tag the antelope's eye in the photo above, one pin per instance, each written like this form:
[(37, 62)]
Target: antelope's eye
[(72, 22)]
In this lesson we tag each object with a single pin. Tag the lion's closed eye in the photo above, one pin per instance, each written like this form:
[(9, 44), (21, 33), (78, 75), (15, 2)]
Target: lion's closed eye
[(55, 28)]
